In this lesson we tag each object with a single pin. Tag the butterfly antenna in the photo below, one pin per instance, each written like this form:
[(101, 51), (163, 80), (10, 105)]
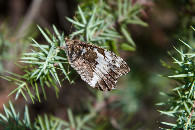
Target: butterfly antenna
[(71, 37), (72, 26)]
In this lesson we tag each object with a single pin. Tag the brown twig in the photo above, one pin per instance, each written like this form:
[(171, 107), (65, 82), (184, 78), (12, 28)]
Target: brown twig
[(29, 17), (192, 112)]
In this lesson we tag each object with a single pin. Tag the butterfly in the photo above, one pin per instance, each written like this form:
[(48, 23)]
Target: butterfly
[(98, 67)]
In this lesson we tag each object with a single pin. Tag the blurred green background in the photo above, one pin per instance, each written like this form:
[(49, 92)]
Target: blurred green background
[(132, 104)]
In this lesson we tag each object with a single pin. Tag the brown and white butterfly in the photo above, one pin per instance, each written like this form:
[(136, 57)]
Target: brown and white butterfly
[(98, 67)]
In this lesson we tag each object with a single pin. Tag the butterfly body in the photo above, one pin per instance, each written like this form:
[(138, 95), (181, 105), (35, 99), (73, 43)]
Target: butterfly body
[(98, 67)]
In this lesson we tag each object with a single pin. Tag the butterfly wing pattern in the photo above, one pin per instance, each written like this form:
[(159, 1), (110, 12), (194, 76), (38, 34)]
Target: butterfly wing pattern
[(98, 67)]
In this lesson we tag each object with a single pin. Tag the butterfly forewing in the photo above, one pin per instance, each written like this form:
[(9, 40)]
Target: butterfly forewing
[(98, 67)]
